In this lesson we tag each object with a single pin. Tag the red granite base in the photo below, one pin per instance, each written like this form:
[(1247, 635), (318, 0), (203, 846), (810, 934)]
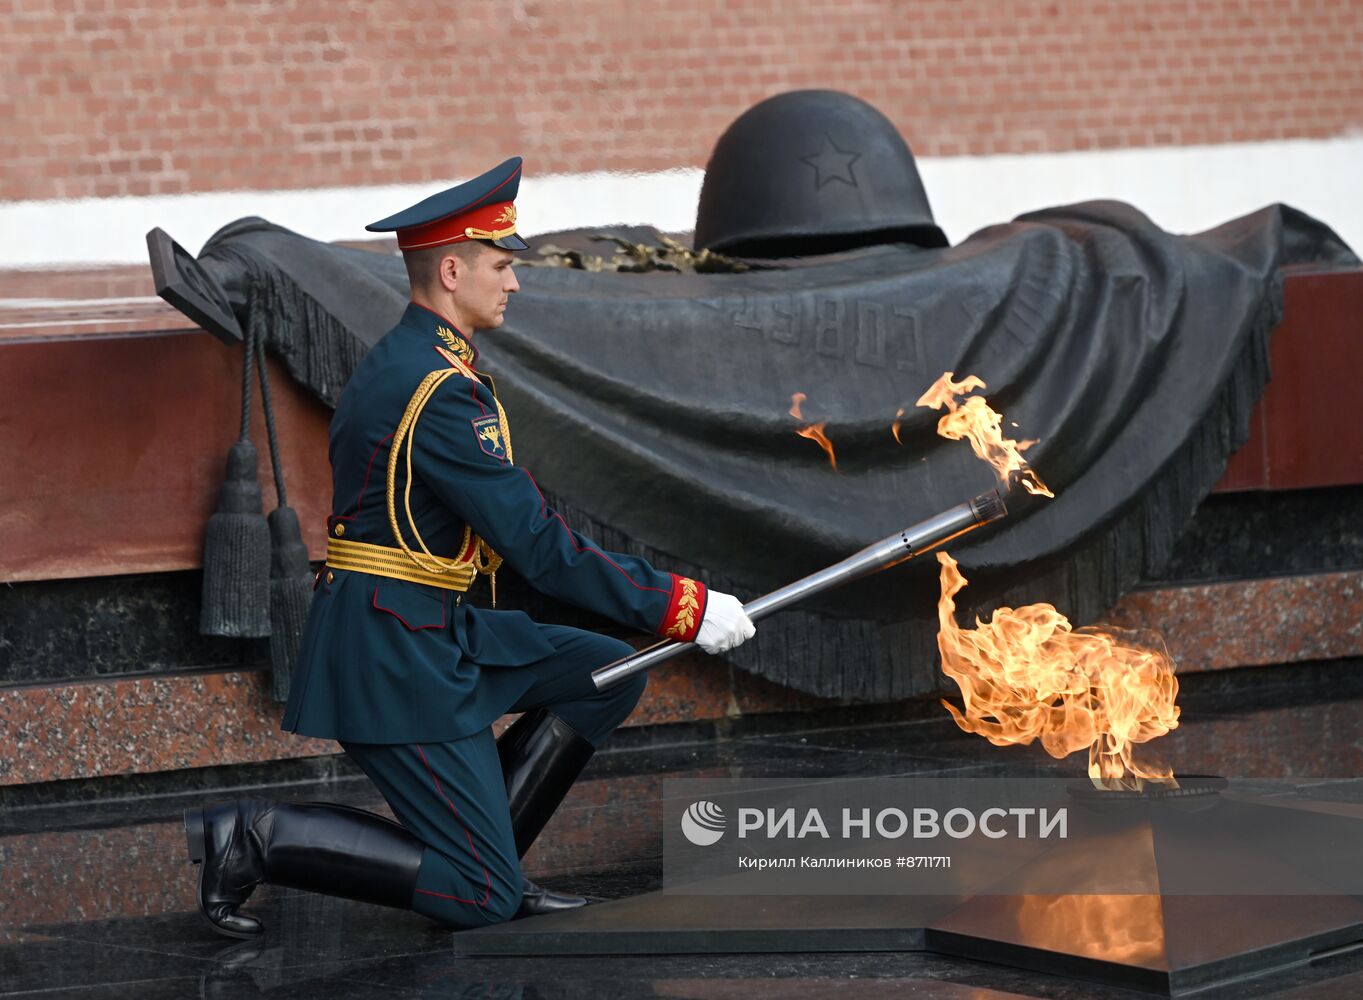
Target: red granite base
[(148, 724), (1252, 623)]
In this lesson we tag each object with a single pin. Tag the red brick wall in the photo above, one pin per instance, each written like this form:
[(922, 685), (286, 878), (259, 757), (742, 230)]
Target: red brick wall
[(115, 97)]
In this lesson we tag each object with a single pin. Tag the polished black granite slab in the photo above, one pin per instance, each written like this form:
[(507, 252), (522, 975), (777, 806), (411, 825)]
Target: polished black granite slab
[(1236, 536), (52, 630), (294, 960), (96, 899), (148, 623), (86, 799)]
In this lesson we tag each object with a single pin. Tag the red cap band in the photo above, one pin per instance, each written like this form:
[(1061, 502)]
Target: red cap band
[(487, 223)]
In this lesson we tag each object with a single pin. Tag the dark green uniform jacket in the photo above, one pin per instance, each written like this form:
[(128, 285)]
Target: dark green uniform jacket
[(390, 661)]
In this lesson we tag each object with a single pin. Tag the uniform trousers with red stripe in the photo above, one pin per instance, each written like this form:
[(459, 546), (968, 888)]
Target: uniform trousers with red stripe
[(452, 796)]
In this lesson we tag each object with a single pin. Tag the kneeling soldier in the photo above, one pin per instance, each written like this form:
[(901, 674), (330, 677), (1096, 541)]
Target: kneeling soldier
[(396, 666)]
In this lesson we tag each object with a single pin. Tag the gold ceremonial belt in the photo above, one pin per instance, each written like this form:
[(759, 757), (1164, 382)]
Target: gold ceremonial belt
[(361, 557)]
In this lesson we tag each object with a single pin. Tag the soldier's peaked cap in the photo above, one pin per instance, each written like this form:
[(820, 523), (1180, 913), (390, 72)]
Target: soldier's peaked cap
[(481, 209)]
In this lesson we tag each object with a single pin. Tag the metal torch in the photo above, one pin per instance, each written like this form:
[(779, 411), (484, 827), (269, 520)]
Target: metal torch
[(892, 551)]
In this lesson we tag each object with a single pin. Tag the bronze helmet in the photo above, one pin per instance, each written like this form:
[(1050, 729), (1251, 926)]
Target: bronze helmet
[(810, 172)]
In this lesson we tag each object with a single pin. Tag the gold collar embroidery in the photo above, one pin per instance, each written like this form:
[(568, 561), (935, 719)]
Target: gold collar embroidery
[(461, 347)]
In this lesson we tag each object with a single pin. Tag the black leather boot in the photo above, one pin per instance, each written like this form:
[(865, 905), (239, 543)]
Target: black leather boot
[(331, 849), (536, 899), (541, 757)]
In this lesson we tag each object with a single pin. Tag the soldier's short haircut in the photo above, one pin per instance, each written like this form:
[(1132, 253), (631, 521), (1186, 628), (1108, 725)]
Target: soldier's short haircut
[(423, 265)]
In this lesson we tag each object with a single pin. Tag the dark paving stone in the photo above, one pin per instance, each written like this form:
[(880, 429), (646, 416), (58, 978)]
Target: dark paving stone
[(69, 867), (1343, 790), (61, 964), (211, 988), (1319, 988), (69, 801), (1326, 979), (104, 814), (740, 977), (617, 882), (175, 988)]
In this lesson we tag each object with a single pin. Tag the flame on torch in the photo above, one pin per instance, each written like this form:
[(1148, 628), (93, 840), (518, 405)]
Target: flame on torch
[(973, 420), (1027, 675), (813, 432)]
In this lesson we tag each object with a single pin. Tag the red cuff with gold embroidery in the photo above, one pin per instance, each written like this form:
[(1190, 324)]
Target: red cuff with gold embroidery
[(685, 610)]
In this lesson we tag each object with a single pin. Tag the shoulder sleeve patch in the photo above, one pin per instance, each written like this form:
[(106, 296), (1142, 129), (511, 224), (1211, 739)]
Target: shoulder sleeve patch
[(488, 432)]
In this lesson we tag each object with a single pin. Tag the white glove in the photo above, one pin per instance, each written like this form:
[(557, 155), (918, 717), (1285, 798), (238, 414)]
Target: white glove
[(725, 624)]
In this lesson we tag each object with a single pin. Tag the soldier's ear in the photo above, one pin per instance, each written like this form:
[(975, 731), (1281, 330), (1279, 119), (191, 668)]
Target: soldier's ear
[(447, 273)]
